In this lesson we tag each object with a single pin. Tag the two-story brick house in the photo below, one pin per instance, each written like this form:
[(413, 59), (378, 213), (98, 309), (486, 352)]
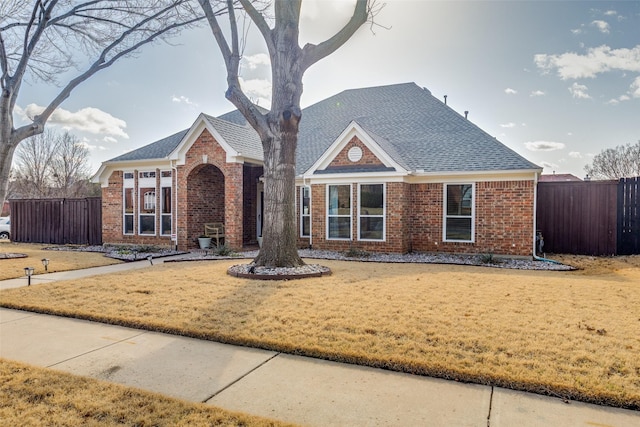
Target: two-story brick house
[(387, 168)]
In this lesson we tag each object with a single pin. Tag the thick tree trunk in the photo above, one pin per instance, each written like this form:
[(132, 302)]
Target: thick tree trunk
[(279, 248)]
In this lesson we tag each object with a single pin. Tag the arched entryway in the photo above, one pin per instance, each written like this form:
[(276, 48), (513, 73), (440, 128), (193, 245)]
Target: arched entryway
[(205, 200)]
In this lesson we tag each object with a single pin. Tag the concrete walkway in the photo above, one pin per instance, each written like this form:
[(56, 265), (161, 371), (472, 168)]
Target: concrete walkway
[(290, 388)]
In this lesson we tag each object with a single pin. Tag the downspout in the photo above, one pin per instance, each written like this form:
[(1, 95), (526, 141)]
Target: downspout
[(175, 201), (535, 223)]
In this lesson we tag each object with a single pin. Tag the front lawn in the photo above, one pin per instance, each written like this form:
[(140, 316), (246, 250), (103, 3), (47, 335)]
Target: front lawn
[(11, 268), (569, 334)]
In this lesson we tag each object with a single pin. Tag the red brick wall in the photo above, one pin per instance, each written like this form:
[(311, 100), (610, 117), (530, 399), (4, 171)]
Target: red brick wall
[(414, 216), (503, 220), (368, 158)]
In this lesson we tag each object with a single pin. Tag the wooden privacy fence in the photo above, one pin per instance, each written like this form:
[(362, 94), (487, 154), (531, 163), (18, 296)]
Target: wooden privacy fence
[(590, 218), (58, 221)]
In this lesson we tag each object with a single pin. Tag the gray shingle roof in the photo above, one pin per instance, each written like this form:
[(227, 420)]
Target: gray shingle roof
[(241, 138), (412, 126), (156, 150)]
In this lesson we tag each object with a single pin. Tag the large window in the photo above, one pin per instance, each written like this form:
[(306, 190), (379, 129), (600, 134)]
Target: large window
[(371, 212), (305, 211), (147, 203), (127, 203), (459, 211), (339, 212)]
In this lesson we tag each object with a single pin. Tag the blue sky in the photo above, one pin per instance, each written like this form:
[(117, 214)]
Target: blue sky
[(556, 81)]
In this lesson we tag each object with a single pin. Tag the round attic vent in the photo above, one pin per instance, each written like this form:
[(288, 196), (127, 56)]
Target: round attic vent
[(354, 154)]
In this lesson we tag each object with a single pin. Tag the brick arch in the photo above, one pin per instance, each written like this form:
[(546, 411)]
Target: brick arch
[(205, 199)]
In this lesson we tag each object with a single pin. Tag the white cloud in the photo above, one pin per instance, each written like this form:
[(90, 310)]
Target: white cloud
[(89, 119), (579, 91), (597, 60), (610, 13), (635, 88), (182, 100), (109, 139), (536, 93), (575, 154), (602, 26), (544, 145), (510, 91), (258, 90), (253, 61), (576, 31), (508, 125)]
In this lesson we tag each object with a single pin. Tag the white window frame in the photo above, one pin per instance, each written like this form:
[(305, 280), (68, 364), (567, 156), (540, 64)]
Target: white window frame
[(128, 183), (340, 216), (166, 181), (473, 213), (384, 211), (147, 181), (302, 214)]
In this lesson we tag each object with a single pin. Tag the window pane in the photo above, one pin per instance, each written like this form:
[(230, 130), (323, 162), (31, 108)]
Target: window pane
[(128, 224), (147, 200), (128, 200), (147, 224), (459, 199), (166, 200), (371, 199), (340, 200), (306, 226), (371, 228), (458, 229), (339, 227), (165, 224)]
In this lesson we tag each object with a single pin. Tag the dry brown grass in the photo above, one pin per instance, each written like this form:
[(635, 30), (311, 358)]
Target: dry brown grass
[(59, 260), (570, 334), (43, 397)]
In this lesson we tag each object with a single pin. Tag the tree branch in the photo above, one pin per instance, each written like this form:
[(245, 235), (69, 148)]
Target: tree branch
[(313, 53)]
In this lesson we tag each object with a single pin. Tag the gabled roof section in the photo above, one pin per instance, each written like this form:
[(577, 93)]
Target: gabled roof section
[(242, 138), (156, 150), (389, 164), (416, 129)]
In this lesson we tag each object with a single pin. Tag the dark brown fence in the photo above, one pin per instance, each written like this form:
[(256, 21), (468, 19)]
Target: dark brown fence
[(58, 221), (629, 216), (589, 218)]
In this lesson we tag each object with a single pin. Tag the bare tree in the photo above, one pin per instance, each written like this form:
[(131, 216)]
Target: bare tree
[(51, 165), (42, 39), (278, 128), (614, 163), (32, 172)]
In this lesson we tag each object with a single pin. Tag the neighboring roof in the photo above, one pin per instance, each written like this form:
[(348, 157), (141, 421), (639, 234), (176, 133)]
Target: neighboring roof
[(560, 177), (156, 150), (417, 130), (411, 125)]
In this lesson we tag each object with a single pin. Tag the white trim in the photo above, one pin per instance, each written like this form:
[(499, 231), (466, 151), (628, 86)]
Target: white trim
[(384, 212), (302, 214), (445, 216), (353, 129), (124, 212), (339, 216)]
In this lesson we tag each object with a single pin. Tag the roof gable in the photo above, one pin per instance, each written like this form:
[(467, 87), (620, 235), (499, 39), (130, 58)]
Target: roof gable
[(354, 140)]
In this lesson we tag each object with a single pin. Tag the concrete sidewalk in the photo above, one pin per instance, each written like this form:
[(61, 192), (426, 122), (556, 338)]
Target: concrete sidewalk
[(290, 388)]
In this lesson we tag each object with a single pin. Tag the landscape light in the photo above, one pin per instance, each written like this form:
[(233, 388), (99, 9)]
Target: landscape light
[(45, 262), (28, 271), (150, 258)]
